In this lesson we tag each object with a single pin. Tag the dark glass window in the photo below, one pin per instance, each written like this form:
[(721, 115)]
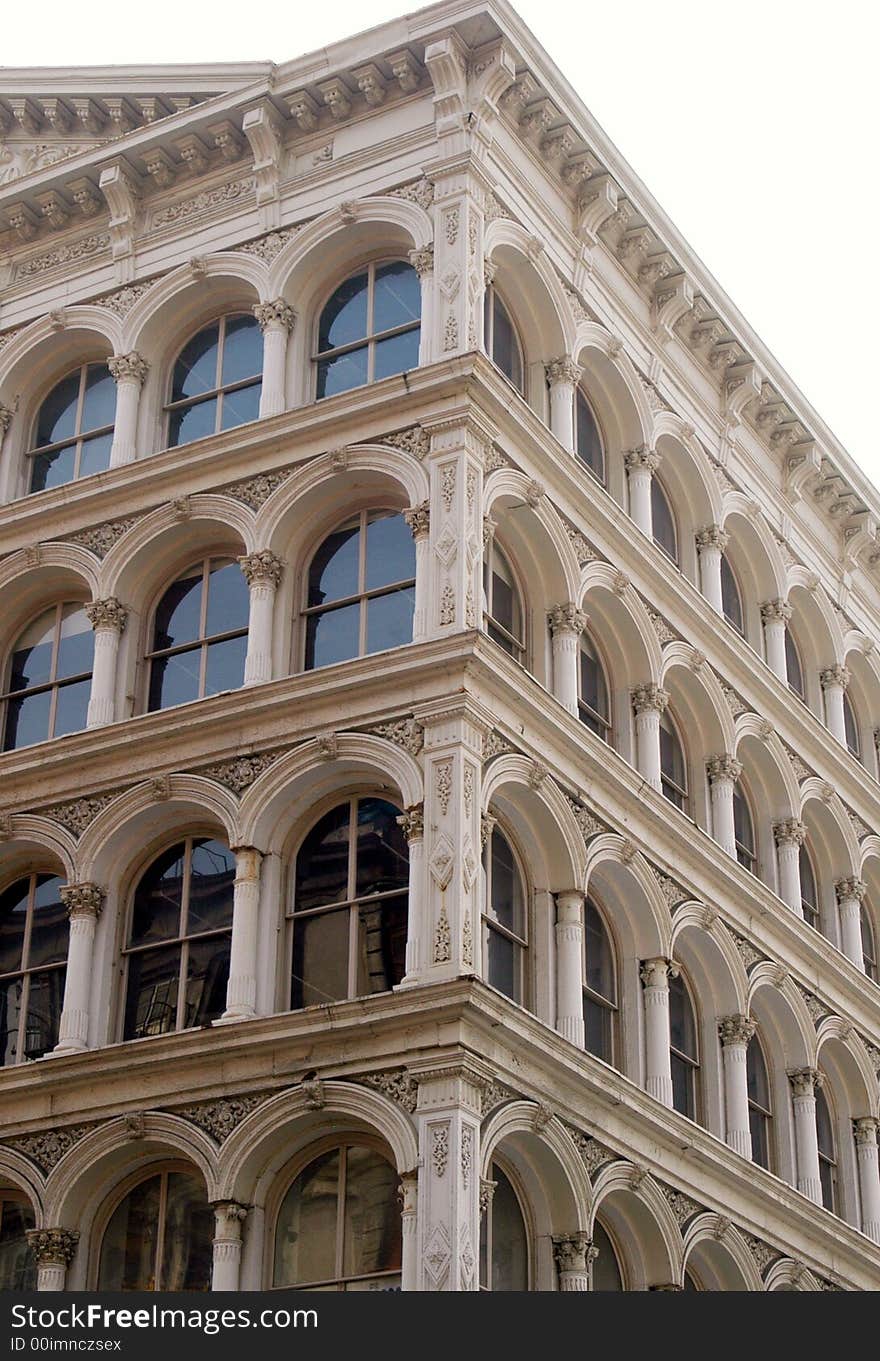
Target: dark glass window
[(760, 1113), (177, 952), (663, 520), (17, 1266), (673, 771), (49, 677), (593, 707), (33, 957), (361, 589), (503, 611), (588, 439), (349, 915), (505, 920), (809, 896), (501, 340), (607, 1274), (199, 635), (504, 1242), (744, 832), (339, 1226), (827, 1154), (74, 429), (793, 668), (731, 598), (684, 1051), (216, 380), (160, 1236), (370, 328), (600, 986), (851, 727), (869, 947)]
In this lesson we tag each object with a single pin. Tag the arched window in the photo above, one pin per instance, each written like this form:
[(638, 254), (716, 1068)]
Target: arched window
[(607, 1273), (690, 1281), (600, 986), (503, 612), (760, 1113), (216, 380), (33, 955), (17, 1268), (793, 669), (869, 947), (593, 706), (809, 895), (177, 949), (370, 328), (199, 634), (159, 1237), (851, 727), (501, 340), (504, 1240), (827, 1151), (673, 769), (505, 920), (49, 677), (338, 1226), (74, 428), (684, 1049), (588, 438), (361, 589), (744, 831), (731, 597), (348, 923), (663, 520)]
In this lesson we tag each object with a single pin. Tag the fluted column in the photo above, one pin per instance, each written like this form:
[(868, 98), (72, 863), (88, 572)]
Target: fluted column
[(865, 1134), (84, 903), (850, 892), (108, 619), (655, 976), (804, 1083), (834, 680), (53, 1251), (567, 623), (129, 371), (775, 615), (563, 376), (790, 834), (419, 520), (641, 464), (649, 701), (723, 771), (569, 965), (413, 824), (408, 1195), (262, 572), (422, 262), (735, 1032), (711, 543), (572, 1254), (229, 1217), (241, 990), (276, 321)]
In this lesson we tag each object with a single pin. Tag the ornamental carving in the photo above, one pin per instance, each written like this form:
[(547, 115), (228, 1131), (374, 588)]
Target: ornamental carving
[(493, 1094), (403, 732), (262, 568), (121, 302), (681, 1205), (467, 935), (736, 1029), (582, 550), (450, 333), (221, 1118), (101, 538), (487, 1191), (495, 745), (646, 698), (206, 202), (835, 675), (418, 191), (83, 249), (712, 536), (865, 1131), (468, 788), (563, 370), (777, 610), (53, 1247), (107, 614), (443, 937), (277, 313), (397, 1086), (790, 832), (804, 1082), (443, 784), (414, 440), (495, 459), (487, 825), (567, 618), (128, 367), (801, 771), (816, 1008), (49, 1146), (440, 1148), (736, 705), (413, 822), (240, 772), (82, 900), (422, 261), (447, 606), (447, 484), (723, 767), (257, 490), (419, 519), (588, 826), (672, 892), (762, 1253), (467, 1155), (267, 247), (850, 889), (641, 459), (593, 1154), (570, 1251), (79, 814)]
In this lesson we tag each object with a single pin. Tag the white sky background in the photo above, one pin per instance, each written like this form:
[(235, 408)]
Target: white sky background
[(754, 124)]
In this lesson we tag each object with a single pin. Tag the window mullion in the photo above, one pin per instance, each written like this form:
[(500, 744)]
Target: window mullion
[(160, 1231), (22, 1020), (340, 1211), (354, 909)]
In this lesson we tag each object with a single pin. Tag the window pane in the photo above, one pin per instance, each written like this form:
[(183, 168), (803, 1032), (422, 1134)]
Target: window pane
[(606, 1272), (793, 665), (510, 1252), (851, 727), (151, 1001), (824, 1129), (505, 605), (228, 599), (600, 961), (333, 574), (682, 1031), (240, 406), (397, 296), (593, 691), (305, 1236), (382, 852), (49, 929), (730, 597), (671, 757), (760, 1138), (13, 914), (320, 958), (207, 976), (10, 1013), (128, 1250), (756, 1072), (32, 658), (45, 1000), (189, 1232), (391, 551), (589, 441), (99, 400), (17, 1267), (742, 823), (192, 422), (225, 668), (322, 862), (27, 721), (371, 1233), (52, 470), (333, 636), (597, 1029), (505, 349), (95, 455), (158, 897), (196, 368), (682, 1086), (390, 620), (174, 680), (503, 965), (507, 906), (343, 372), (57, 418), (396, 354), (381, 958), (344, 319), (212, 876), (242, 350), (76, 646), (662, 520), (71, 707), (178, 616)]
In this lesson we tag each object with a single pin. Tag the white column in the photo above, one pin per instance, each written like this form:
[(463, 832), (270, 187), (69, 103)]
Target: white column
[(641, 464), (655, 975), (563, 376), (850, 892), (790, 835), (276, 322), (723, 771), (711, 543), (865, 1134), (129, 370), (107, 618), (409, 1230), (53, 1251), (804, 1082), (448, 1117), (422, 262), (649, 701), (735, 1033), (572, 1253), (834, 680), (262, 571), (776, 614), (228, 1219), (84, 903), (241, 990), (567, 623), (413, 823), (569, 965), (419, 520)]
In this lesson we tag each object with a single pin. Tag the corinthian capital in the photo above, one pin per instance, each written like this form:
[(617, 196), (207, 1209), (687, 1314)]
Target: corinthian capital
[(82, 900), (850, 889), (563, 370), (413, 822), (566, 618), (570, 1251), (641, 459), (790, 832), (805, 1081), (261, 568), (865, 1130), (778, 609), (723, 767), (656, 973), (647, 697), (735, 1029), (711, 536), (53, 1247), (278, 314), (6, 414), (107, 614), (422, 261), (128, 367), (419, 519), (835, 675)]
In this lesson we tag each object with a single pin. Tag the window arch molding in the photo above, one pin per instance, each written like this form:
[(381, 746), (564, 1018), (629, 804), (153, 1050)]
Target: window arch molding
[(159, 1162), (516, 1194), (535, 299)]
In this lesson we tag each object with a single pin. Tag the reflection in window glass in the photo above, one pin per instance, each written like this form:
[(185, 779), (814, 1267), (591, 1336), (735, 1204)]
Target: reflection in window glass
[(49, 677), (851, 727), (673, 771), (607, 1274), (744, 831), (501, 340), (74, 428), (663, 520), (794, 670), (17, 1266), (199, 635), (505, 924), (684, 1054), (502, 610), (588, 440), (869, 948), (160, 1236), (827, 1151), (370, 328), (593, 708), (504, 1244), (600, 986), (809, 896), (33, 956), (217, 380), (760, 1114), (731, 598)]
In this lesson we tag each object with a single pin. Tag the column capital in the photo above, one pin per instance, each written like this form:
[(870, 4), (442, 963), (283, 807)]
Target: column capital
[(790, 832), (128, 367), (107, 614), (277, 314), (407, 1191), (489, 527), (53, 1247), (777, 609), (641, 459), (232, 1211), (563, 370), (656, 973), (650, 696), (567, 618), (247, 857), (723, 766), (850, 889), (805, 1081), (6, 414), (736, 1029), (422, 261), (262, 568), (487, 1191), (711, 536), (834, 675), (82, 900), (412, 820), (570, 1251), (419, 519), (865, 1130), (487, 826)]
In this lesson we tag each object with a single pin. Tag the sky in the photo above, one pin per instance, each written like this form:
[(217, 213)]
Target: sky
[(754, 125)]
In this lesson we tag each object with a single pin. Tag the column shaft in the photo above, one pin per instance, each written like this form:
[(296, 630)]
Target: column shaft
[(276, 322), (809, 1182), (84, 903), (735, 1033), (850, 892), (129, 370), (262, 571), (789, 836), (658, 1065), (834, 681), (865, 1131), (228, 1220), (241, 990), (108, 618), (569, 966)]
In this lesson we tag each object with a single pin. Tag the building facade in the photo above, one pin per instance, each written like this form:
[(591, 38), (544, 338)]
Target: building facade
[(440, 817)]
